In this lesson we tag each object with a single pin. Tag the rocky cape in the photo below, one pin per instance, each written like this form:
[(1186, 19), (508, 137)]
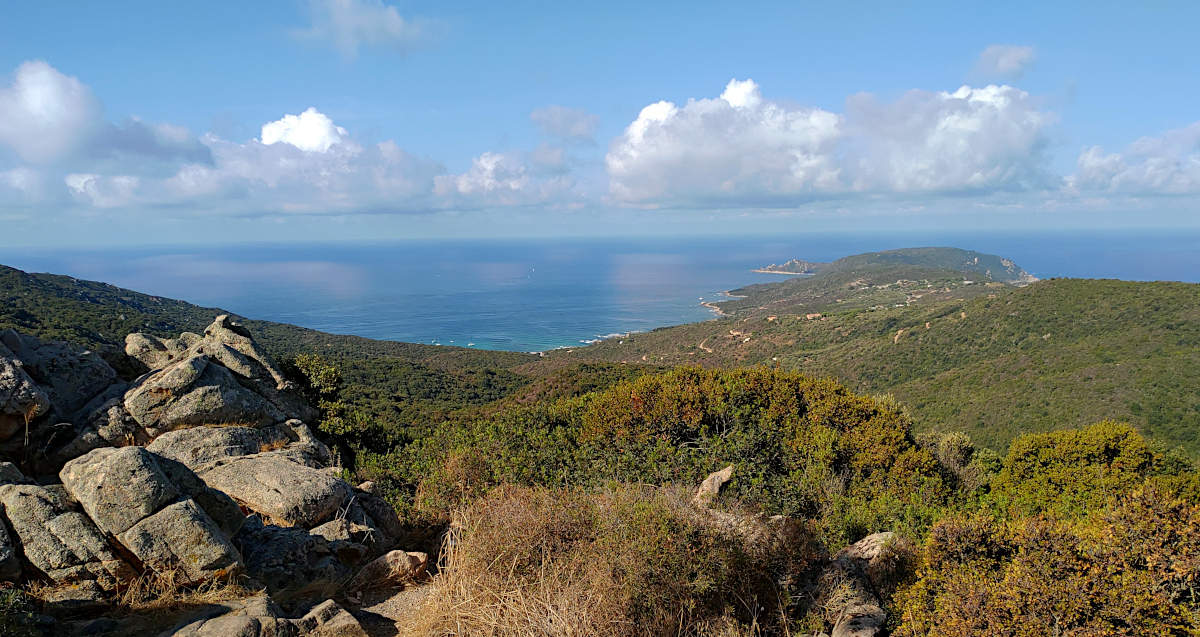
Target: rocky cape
[(202, 469)]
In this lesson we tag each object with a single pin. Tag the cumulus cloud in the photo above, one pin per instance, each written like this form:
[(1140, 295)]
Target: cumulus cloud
[(44, 114), (741, 147), (1005, 60), (350, 24), (737, 145), (310, 131), (970, 139), (103, 191), (565, 123), (1168, 164)]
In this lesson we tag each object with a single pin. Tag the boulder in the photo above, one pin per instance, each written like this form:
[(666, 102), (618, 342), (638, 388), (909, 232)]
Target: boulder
[(327, 619), (289, 560), (80, 598), (61, 543), (21, 400), (70, 376), (10, 474), (221, 508), (199, 446), (10, 563), (279, 489), (393, 569), (260, 617), (193, 392), (711, 487), (118, 487), (230, 346), (856, 569), (182, 537)]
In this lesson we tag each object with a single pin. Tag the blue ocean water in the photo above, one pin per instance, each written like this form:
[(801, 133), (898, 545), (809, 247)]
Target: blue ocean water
[(539, 294)]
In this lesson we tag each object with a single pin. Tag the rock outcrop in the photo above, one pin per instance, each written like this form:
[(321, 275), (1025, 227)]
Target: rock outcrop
[(60, 542), (201, 469)]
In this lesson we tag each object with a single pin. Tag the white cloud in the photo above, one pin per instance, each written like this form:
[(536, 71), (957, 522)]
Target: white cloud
[(310, 131), (742, 148), (1168, 164), (566, 123), (1005, 60), (349, 24), (21, 178), (103, 191), (45, 115), (502, 179), (988, 138), (735, 146)]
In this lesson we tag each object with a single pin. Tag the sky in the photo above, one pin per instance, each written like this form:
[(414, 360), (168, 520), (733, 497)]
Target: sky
[(177, 122)]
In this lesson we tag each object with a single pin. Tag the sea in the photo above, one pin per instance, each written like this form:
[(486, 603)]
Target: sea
[(547, 293)]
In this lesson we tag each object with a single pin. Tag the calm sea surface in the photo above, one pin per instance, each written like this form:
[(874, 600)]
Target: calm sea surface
[(533, 295)]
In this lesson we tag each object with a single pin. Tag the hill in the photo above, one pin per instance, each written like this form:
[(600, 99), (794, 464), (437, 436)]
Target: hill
[(878, 279), (1055, 354)]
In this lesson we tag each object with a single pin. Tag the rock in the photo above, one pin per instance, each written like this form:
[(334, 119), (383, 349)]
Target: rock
[(70, 376), (10, 563), (182, 537), (231, 347), (63, 544), (253, 617), (380, 515), (279, 489), (854, 569), (10, 474), (199, 446), (194, 392), (112, 423), (860, 620), (711, 487), (327, 619), (92, 627), (221, 508), (393, 569), (290, 561), (118, 487), (351, 542), (369, 487), (82, 598), (20, 398)]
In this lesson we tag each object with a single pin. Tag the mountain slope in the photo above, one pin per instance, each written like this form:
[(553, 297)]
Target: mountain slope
[(1056, 354)]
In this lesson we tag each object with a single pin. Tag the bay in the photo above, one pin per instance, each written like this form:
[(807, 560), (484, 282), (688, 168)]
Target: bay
[(539, 294)]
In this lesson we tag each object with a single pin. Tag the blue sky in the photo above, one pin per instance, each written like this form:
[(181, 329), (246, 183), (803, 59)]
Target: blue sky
[(133, 122)]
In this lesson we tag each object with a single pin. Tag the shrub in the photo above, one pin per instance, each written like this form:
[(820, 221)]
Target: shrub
[(1131, 572), (624, 560)]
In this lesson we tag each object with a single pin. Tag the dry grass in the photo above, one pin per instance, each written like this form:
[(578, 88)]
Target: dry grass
[(630, 560), (162, 593)]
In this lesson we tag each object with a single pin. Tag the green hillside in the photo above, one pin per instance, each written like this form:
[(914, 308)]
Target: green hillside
[(881, 279), (1056, 354)]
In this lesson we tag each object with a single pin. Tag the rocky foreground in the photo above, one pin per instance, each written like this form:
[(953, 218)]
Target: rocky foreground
[(202, 470)]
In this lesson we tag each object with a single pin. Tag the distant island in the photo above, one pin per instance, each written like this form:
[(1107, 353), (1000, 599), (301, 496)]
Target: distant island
[(795, 266)]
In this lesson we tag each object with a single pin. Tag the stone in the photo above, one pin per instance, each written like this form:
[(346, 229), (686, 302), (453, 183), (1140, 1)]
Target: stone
[(290, 561), (221, 508), (327, 619), (711, 487), (393, 569), (10, 474), (279, 489), (10, 563), (182, 537), (254, 617), (81, 598), (194, 392), (380, 515), (230, 346), (63, 544), (118, 487), (199, 446), (70, 376), (860, 620), (21, 400)]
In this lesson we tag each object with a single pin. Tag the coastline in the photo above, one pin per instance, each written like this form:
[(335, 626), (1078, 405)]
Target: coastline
[(765, 271)]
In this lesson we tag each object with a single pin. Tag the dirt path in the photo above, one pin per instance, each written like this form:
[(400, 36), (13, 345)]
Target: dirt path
[(392, 613)]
